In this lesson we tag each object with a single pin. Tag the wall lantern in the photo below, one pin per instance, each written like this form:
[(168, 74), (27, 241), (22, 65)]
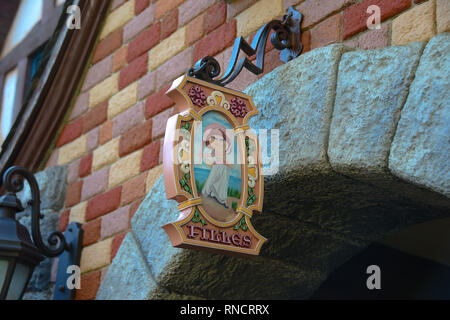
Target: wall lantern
[(19, 255)]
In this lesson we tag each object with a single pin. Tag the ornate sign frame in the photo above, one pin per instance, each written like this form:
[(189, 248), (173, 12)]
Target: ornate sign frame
[(202, 223)]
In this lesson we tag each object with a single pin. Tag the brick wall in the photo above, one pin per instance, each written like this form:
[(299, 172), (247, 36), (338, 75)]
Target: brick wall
[(113, 134)]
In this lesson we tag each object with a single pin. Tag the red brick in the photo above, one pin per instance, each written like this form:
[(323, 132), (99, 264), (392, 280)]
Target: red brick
[(146, 40), (140, 6), (108, 45), (85, 166), (73, 194), (89, 286), (106, 132), (134, 189), (103, 203), (271, 61), (63, 221), (91, 232), (194, 29), (314, 11), (150, 156), (134, 207), (215, 16), (157, 102), (216, 41), (162, 7), (306, 41), (120, 59), (133, 71), (95, 117), (326, 32), (117, 241), (70, 132), (169, 24), (136, 138), (355, 17)]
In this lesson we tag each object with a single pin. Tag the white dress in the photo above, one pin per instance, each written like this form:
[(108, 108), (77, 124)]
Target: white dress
[(216, 185)]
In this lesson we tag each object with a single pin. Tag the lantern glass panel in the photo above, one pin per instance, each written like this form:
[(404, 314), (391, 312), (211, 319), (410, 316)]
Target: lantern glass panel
[(3, 270), (19, 281)]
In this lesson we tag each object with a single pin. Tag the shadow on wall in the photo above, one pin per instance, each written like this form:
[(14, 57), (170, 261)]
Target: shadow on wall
[(403, 276)]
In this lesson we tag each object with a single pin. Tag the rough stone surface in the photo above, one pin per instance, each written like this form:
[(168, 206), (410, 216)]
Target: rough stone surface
[(420, 150), (368, 107), (52, 186), (134, 282), (304, 90)]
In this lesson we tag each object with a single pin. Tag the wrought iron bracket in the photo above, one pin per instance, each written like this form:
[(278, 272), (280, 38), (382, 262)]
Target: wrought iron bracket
[(70, 257), (286, 38)]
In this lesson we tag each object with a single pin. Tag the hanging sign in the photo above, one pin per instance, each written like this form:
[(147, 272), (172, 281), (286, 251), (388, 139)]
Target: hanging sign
[(212, 168)]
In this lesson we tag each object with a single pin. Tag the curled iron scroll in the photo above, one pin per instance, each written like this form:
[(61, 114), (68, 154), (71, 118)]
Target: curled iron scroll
[(286, 37), (13, 184)]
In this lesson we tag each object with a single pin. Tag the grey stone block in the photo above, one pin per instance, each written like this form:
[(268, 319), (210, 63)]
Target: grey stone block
[(420, 151), (371, 90), (52, 186), (297, 99), (128, 277)]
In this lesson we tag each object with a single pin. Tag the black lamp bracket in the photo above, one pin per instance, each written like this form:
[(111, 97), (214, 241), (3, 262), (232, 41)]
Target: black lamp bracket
[(286, 38)]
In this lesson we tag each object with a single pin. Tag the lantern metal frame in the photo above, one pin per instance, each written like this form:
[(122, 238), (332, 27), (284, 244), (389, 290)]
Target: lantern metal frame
[(17, 246)]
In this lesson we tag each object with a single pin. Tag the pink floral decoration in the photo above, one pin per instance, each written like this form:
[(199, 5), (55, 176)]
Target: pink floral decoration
[(238, 108), (197, 96)]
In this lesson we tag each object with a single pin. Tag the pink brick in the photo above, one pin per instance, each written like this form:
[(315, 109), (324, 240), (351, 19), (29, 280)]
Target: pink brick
[(235, 7), (174, 68), (288, 3), (314, 11), (215, 16), (169, 24), (115, 222), (94, 184), (53, 160), (98, 72), (139, 23), (191, 8), (244, 79), (80, 107), (216, 41), (72, 171), (128, 119), (159, 123), (117, 3), (375, 39), (134, 189), (355, 17), (146, 85), (92, 139)]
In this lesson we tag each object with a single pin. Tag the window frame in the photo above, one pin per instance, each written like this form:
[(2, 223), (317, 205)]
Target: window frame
[(20, 56)]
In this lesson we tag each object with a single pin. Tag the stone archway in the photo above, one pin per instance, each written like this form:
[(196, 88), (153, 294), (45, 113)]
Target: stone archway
[(363, 151)]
